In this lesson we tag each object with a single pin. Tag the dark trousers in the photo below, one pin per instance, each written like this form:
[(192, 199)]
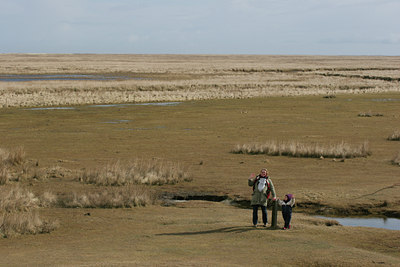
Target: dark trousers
[(287, 215), (255, 214)]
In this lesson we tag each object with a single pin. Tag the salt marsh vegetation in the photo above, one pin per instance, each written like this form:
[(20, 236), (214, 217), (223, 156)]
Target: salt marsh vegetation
[(191, 77), (19, 213), (395, 136), (150, 172), (297, 149), (74, 166)]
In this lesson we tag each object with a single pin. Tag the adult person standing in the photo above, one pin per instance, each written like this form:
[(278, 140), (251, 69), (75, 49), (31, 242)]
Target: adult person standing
[(262, 188)]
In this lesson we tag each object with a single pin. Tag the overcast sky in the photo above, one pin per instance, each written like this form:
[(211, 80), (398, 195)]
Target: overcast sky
[(312, 27)]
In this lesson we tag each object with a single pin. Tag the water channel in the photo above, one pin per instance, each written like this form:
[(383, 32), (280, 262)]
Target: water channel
[(385, 223)]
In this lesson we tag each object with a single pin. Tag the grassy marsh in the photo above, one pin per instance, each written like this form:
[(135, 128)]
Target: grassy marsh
[(191, 77), (241, 103), (200, 136)]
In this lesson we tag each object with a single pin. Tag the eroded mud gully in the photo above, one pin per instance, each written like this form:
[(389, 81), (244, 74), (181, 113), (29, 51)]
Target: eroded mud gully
[(308, 207)]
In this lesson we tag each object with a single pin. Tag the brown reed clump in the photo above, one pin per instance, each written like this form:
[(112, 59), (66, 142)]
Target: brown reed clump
[(17, 199), (394, 136), (151, 172), (396, 160), (4, 174), (48, 199), (13, 165), (122, 197), (369, 114), (19, 214), (12, 224), (296, 149), (13, 157)]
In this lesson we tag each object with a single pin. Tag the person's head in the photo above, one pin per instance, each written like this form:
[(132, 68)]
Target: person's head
[(264, 172), (288, 197)]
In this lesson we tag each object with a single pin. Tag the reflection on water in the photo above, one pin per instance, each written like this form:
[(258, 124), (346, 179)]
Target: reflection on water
[(386, 223), (385, 99), (60, 77)]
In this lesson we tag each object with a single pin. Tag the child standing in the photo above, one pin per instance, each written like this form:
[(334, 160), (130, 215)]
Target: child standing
[(287, 203)]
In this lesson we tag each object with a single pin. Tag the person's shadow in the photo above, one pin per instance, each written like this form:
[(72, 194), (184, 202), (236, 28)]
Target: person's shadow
[(233, 229)]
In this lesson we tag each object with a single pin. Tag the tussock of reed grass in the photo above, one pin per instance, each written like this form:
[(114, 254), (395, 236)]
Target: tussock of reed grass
[(152, 172), (12, 224), (48, 199), (4, 174), (14, 166), (296, 149), (16, 198), (369, 114), (19, 215), (396, 160), (115, 197), (394, 136), (14, 156)]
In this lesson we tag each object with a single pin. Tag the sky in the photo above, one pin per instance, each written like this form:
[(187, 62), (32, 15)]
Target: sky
[(269, 27)]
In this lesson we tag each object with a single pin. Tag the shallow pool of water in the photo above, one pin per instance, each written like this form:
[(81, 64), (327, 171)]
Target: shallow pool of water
[(385, 99), (386, 223)]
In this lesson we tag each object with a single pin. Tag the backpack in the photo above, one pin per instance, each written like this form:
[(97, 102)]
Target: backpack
[(268, 185)]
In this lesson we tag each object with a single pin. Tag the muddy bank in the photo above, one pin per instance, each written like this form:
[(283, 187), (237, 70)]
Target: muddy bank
[(384, 209), (378, 209)]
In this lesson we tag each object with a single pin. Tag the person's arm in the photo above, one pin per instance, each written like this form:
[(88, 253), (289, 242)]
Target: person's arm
[(272, 189), (291, 202), (251, 179)]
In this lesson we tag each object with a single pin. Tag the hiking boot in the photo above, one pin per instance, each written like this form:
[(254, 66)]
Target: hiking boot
[(264, 225), (284, 228), (255, 225), (289, 226)]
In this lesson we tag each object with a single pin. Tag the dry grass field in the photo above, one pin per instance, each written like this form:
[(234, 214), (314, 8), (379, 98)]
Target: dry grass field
[(69, 190)]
